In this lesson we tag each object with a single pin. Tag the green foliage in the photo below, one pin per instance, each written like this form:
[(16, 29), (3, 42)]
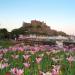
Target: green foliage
[(4, 34), (5, 43)]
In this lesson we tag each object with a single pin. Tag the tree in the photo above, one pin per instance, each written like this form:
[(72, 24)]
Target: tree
[(4, 34)]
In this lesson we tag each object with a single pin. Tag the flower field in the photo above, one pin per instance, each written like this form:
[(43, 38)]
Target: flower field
[(36, 60)]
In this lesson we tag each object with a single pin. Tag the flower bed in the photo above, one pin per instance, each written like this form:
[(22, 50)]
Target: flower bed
[(36, 62)]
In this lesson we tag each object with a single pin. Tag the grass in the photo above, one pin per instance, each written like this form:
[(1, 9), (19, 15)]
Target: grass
[(5, 43)]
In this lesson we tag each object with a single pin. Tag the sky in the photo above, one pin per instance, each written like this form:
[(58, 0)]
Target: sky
[(58, 14)]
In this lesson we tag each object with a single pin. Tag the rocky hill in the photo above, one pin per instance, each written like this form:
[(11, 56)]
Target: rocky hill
[(40, 28)]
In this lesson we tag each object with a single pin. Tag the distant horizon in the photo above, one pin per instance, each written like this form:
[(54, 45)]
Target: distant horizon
[(58, 14)]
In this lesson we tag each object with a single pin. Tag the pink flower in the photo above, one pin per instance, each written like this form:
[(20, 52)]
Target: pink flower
[(17, 71), (55, 70), (70, 59), (21, 49), (15, 56), (14, 71), (38, 60), (36, 49), (2, 66), (26, 65), (26, 57)]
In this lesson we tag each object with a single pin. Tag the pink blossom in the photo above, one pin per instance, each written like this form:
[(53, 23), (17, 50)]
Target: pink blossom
[(38, 60), (21, 48), (15, 56), (70, 59), (17, 71), (2, 66), (26, 57), (26, 65), (55, 70), (14, 71)]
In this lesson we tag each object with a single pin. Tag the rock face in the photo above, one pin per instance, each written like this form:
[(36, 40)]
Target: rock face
[(40, 28)]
